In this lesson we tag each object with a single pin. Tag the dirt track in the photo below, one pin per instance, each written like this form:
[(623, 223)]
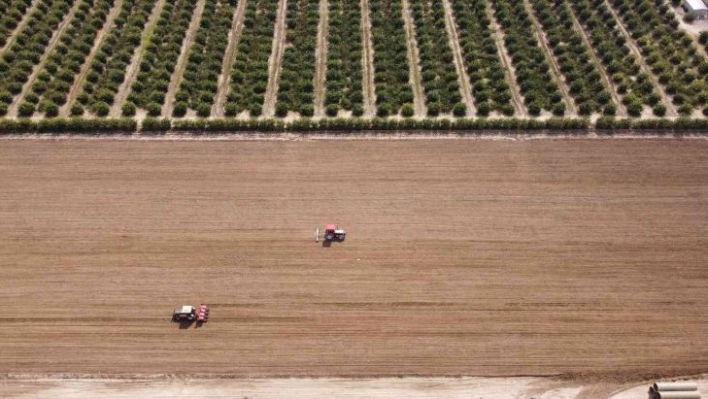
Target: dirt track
[(463, 257)]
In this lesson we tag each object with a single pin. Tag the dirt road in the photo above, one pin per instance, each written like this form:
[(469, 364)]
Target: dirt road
[(463, 257)]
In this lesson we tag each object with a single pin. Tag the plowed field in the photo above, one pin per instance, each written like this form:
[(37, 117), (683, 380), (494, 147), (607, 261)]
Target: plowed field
[(463, 257)]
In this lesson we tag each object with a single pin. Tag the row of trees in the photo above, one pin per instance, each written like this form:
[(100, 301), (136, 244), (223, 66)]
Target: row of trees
[(11, 13), (670, 53), (54, 82), (68, 125), (109, 65), (582, 76), (20, 58), (296, 85), (160, 57), (438, 74), (610, 44), (201, 76), (533, 74), (490, 87), (249, 75), (344, 53)]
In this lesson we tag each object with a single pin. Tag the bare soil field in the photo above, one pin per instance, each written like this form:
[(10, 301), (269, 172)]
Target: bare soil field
[(486, 258)]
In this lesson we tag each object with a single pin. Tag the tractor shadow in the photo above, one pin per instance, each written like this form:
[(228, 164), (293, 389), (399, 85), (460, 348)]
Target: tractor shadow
[(186, 324), (326, 244)]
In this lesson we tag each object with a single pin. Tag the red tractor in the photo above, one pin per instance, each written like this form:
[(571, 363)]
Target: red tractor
[(331, 233), (190, 313)]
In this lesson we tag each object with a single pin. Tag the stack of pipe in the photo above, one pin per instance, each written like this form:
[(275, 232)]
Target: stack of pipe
[(674, 390)]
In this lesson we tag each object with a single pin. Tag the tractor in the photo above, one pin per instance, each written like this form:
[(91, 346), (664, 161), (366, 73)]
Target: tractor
[(331, 233), (188, 313)]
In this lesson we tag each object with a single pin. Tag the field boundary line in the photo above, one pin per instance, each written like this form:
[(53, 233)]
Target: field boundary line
[(13, 35), (321, 58), (176, 78), (555, 70), (621, 108), (228, 62), (670, 108), (13, 108), (462, 76), (134, 66), (275, 63), (367, 61), (414, 62), (79, 82), (516, 98)]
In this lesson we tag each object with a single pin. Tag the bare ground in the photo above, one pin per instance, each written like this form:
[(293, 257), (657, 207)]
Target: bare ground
[(611, 88), (13, 34), (12, 110), (276, 60), (463, 78), (414, 63), (225, 77), (516, 98), (555, 70), (665, 99), (79, 82), (321, 57), (334, 388), (367, 61), (463, 257), (181, 66), (134, 66)]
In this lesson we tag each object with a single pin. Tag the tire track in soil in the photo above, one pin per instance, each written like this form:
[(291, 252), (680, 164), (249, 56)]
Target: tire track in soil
[(276, 60), (234, 36), (321, 59), (414, 62), (13, 35), (670, 108), (13, 108), (176, 78), (621, 108), (555, 70), (516, 98), (462, 76), (367, 61), (134, 67), (79, 82)]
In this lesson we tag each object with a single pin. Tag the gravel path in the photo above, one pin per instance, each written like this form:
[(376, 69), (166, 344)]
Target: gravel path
[(13, 108), (224, 79), (276, 60), (555, 70), (321, 57), (79, 81), (134, 66), (367, 61), (414, 63), (463, 78), (665, 99), (178, 75), (516, 98)]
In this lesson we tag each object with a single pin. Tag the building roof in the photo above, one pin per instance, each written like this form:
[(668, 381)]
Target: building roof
[(696, 5)]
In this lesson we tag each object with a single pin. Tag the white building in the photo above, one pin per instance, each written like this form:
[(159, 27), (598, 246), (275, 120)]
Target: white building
[(698, 7)]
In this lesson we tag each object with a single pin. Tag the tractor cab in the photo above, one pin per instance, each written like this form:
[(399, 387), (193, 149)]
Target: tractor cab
[(185, 313)]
